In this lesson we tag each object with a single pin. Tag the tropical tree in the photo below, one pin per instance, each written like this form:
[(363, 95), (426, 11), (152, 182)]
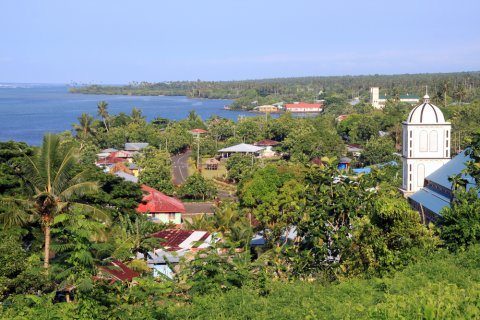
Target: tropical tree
[(85, 128), (197, 187), (137, 116), (103, 112), (52, 181), (156, 169)]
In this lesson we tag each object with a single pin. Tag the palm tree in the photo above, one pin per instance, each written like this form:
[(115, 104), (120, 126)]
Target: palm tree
[(137, 116), (84, 127), (103, 112), (52, 182)]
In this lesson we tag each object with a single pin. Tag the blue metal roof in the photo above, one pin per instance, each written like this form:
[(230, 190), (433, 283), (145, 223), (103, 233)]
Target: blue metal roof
[(366, 170), (451, 168), (431, 200)]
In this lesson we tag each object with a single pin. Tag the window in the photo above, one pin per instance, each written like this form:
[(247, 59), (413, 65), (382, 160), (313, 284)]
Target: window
[(420, 175), (446, 143), (410, 133), (410, 168), (447, 133), (433, 139), (423, 141)]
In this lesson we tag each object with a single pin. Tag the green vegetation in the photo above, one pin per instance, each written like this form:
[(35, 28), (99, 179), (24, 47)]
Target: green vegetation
[(328, 244), (444, 88)]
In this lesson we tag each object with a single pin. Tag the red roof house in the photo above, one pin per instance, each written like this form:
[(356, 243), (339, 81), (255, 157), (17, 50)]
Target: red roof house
[(176, 239), (117, 271), (160, 206), (303, 107)]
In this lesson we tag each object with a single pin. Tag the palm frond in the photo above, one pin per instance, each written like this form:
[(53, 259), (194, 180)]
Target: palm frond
[(78, 189), (93, 212), (14, 217), (62, 174)]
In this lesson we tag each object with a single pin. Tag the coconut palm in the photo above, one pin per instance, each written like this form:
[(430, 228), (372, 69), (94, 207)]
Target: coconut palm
[(103, 112), (84, 128), (137, 116), (52, 183)]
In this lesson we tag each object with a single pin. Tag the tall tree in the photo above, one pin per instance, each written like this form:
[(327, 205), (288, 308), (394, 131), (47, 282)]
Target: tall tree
[(103, 112), (85, 128), (52, 180)]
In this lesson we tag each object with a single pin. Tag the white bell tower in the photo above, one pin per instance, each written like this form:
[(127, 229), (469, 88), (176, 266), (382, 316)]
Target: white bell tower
[(426, 144)]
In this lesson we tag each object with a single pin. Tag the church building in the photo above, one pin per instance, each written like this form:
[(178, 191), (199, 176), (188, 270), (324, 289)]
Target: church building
[(426, 144), (426, 161)]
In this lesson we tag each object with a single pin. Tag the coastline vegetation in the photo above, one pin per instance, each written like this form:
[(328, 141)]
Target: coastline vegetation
[(444, 88)]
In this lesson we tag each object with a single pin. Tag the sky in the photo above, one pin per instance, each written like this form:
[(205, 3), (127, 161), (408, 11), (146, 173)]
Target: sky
[(118, 41)]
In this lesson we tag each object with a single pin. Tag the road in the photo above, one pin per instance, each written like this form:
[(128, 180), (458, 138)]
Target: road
[(180, 167)]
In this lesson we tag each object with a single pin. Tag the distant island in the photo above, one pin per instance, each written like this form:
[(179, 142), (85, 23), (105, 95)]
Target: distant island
[(247, 94)]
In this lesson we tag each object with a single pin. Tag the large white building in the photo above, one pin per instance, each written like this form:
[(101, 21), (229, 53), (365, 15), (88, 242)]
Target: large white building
[(378, 101), (426, 144)]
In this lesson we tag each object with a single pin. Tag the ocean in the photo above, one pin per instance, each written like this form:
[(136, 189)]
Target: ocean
[(28, 111)]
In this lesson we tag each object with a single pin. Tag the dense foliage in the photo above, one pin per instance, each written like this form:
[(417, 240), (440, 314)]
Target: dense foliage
[(444, 87)]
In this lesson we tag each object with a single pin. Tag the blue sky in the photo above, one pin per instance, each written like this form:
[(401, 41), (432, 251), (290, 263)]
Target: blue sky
[(105, 41)]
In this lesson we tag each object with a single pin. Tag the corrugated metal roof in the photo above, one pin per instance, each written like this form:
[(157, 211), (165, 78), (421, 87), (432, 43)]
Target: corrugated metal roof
[(126, 176), (451, 168), (430, 199), (135, 146), (243, 148), (155, 201)]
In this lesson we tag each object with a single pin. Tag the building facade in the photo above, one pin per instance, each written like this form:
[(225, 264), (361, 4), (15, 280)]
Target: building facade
[(426, 145), (378, 101), (304, 107)]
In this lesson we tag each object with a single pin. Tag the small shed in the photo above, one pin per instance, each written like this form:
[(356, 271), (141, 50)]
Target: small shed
[(344, 163), (212, 164)]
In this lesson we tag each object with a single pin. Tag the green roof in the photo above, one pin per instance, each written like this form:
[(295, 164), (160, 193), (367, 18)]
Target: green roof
[(402, 96)]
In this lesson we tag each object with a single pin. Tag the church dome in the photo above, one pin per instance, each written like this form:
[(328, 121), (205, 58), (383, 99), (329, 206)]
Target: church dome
[(426, 113)]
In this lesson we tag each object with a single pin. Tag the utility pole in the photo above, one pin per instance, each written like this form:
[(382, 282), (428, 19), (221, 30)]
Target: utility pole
[(198, 152)]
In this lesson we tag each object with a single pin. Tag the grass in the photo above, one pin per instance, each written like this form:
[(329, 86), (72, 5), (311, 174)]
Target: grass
[(207, 174)]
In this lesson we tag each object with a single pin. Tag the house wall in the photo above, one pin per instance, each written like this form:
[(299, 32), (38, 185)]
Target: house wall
[(173, 217)]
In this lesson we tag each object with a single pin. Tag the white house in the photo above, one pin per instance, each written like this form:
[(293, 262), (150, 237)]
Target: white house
[(426, 144), (243, 148)]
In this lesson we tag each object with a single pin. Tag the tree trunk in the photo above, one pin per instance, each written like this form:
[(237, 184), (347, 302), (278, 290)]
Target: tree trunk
[(46, 260)]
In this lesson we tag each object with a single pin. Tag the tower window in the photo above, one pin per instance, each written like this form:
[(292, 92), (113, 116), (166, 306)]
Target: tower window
[(410, 133), (433, 147), (420, 175), (423, 141), (447, 133)]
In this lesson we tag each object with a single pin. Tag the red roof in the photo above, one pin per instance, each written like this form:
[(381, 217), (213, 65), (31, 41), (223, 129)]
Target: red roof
[(110, 160), (304, 105), (155, 201), (174, 238), (121, 154), (120, 271), (267, 143), (198, 131)]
